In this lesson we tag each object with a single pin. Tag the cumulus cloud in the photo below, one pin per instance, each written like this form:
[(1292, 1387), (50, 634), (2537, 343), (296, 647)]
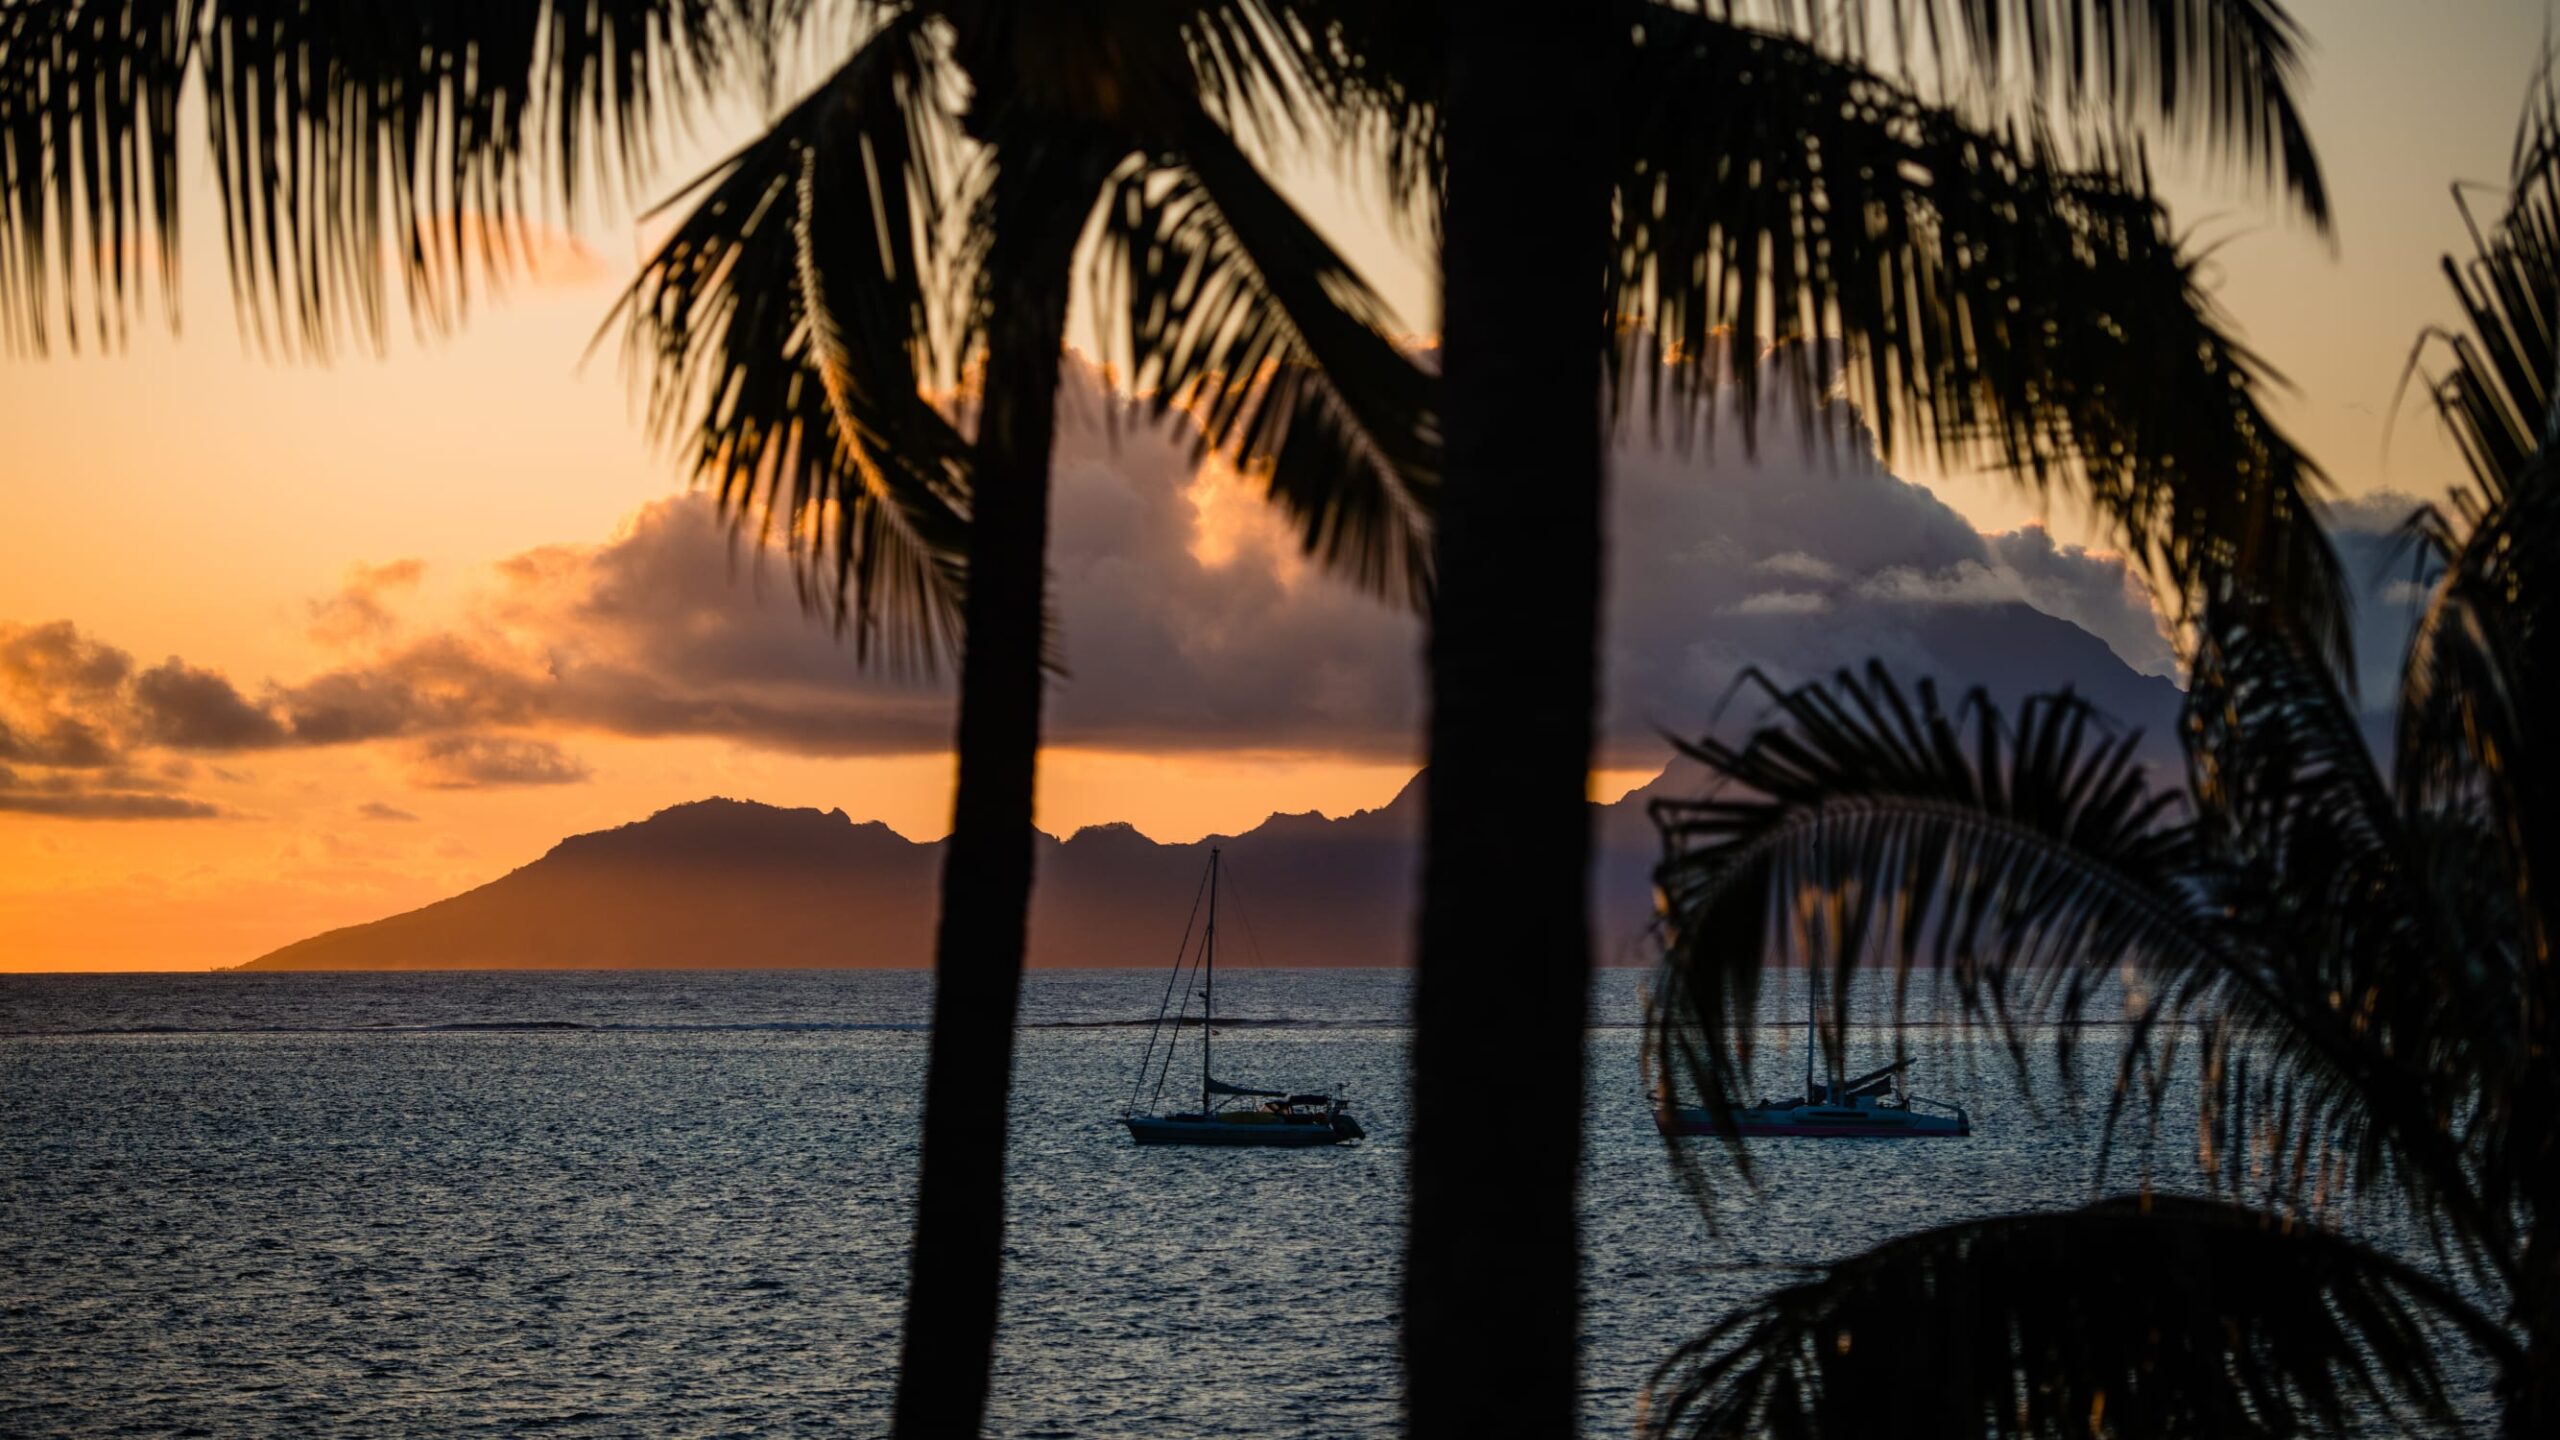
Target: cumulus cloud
[(474, 762), (53, 682), (2099, 592), (184, 708), (362, 609), (1186, 619)]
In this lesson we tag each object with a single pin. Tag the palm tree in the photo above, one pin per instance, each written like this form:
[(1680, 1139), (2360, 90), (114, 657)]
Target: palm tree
[(2352, 964), (1625, 178), (787, 330)]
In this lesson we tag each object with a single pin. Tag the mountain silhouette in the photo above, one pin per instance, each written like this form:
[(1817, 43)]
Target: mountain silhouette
[(723, 883)]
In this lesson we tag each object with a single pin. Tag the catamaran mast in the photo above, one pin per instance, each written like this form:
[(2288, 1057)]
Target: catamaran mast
[(1209, 978)]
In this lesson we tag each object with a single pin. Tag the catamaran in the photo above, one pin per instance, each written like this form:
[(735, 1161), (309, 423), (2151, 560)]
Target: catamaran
[(1874, 1105), (1280, 1117)]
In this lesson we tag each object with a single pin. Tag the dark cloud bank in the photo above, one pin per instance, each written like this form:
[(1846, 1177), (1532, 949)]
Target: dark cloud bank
[(1794, 563)]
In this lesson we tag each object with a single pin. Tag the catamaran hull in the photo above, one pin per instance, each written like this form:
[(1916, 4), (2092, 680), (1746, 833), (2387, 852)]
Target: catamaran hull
[(1815, 1123), (1169, 1130)]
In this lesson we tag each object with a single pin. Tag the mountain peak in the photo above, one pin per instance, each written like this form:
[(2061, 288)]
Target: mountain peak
[(730, 883), (1110, 832)]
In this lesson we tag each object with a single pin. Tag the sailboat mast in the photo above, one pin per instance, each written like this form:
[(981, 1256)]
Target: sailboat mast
[(1209, 978), (1809, 1003)]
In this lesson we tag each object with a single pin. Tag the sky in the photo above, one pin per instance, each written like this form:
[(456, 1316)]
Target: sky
[(285, 647)]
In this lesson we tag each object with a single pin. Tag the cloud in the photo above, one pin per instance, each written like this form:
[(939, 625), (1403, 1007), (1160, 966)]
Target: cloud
[(53, 683), (444, 682), (2390, 579), (2380, 513), (2099, 592), (1795, 564), (1781, 602), (376, 810), (361, 611), (1187, 621), (109, 805), (184, 708), (478, 762), (82, 796)]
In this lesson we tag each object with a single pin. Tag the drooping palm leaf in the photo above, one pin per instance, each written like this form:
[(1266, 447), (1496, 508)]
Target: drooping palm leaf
[(1242, 315), (353, 146), (2496, 397), (2026, 866), (1978, 300), (2484, 642), (2136, 1316), (1866, 826), (2347, 1055), (784, 332), (2468, 749), (2216, 75)]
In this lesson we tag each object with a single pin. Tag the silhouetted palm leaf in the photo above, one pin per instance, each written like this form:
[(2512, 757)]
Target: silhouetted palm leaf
[(350, 143), (1242, 315), (2497, 396), (2365, 965), (2346, 1054), (2468, 755), (2135, 1316), (2217, 74), (2484, 642), (1972, 292), (783, 333), (2022, 866)]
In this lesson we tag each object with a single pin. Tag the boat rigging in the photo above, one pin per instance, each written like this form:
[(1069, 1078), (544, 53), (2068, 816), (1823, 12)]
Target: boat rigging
[(1279, 1117)]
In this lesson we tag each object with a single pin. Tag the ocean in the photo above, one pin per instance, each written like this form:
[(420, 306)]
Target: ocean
[(603, 1203)]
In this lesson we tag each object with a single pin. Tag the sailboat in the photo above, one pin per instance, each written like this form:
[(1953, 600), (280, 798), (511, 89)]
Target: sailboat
[(1228, 1114), (1873, 1106)]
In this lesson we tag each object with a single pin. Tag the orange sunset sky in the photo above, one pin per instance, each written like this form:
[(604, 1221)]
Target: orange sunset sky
[(461, 571)]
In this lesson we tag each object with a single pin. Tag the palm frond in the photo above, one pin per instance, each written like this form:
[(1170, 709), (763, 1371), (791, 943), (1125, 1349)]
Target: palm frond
[(783, 334), (2496, 396), (2347, 1054), (2467, 746), (1971, 294), (1265, 67), (2021, 865), (2029, 866), (354, 147), (2148, 1315), (2219, 74), (1240, 313), (2216, 75)]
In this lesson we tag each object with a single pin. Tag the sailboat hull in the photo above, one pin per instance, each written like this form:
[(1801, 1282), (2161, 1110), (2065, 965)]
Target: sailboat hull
[(1239, 1130), (1825, 1121)]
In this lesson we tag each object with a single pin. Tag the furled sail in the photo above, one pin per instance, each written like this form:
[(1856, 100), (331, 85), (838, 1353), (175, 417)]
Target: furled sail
[(1874, 1081)]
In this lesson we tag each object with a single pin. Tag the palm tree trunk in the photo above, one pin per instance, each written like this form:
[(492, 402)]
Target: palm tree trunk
[(1493, 1262), (956, 1266)]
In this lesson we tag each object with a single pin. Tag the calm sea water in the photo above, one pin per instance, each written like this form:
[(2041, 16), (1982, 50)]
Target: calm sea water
[(608, 1203)]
